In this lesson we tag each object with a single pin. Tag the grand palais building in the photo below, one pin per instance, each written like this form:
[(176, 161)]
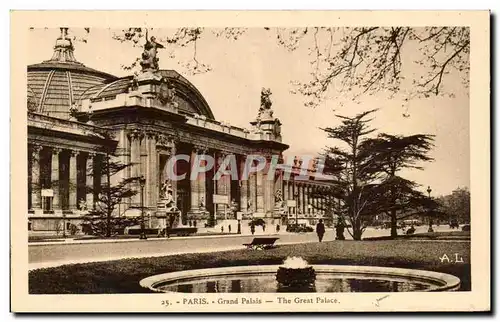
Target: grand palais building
[(76, 114)]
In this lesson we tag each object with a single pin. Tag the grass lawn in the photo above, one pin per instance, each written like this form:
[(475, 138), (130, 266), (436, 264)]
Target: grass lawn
[(441, 235), (53, 238), (123, 276)]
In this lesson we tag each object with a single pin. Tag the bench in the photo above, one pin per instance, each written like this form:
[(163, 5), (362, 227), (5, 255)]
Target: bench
[(261, 243)]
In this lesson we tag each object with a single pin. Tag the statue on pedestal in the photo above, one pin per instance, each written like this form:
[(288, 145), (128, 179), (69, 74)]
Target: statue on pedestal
[(202, 203), (265, 111), (278, 198), (149, 60), (83, 204), (167, 194)]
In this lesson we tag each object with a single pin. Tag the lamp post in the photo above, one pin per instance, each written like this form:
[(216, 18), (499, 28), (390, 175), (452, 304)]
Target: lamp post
[(296, 197), (430, 230), (142, 182)]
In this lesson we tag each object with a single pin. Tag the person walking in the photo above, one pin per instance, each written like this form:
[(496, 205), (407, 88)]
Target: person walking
[(221, 229), (229, 228), (278, 228), (339, 230), (263, 227), (252, 228), (320, 230)]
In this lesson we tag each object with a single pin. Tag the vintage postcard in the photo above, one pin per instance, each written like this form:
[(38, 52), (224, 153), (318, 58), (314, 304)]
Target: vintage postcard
[(270, 161)]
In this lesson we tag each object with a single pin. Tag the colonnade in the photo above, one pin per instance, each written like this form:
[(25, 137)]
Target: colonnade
[(60, 180), (310, 198)]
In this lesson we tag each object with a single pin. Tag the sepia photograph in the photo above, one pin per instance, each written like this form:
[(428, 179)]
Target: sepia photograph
[(211, 166)]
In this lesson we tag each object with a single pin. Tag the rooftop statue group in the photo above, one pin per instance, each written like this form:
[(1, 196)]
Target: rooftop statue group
[(149, 60), (265, 110), (149, 63)]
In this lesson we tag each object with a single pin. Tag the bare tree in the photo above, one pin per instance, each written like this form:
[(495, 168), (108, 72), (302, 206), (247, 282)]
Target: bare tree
[(345, 62)]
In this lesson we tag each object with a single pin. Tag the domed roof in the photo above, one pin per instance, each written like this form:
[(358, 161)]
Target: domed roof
[(55, 84), (189, 98)]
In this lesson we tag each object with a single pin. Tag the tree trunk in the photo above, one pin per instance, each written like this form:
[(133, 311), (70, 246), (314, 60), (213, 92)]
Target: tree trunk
[(356, 230), (394, 224), (394, 221)]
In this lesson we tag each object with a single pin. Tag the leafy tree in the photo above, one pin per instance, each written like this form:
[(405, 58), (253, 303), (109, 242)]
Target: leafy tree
[(456, 205), (354, 168), (399, 197), (103, 219)]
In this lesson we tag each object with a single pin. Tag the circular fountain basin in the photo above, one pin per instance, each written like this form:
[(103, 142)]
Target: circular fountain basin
[(329, 279)]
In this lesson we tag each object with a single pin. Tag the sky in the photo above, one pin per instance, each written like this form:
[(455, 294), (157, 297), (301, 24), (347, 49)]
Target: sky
[(239, 70)]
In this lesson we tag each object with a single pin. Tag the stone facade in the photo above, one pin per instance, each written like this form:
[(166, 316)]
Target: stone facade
[(148, 118)]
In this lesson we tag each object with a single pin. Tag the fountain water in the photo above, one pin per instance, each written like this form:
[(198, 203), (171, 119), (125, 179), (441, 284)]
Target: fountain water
[(297, 275)]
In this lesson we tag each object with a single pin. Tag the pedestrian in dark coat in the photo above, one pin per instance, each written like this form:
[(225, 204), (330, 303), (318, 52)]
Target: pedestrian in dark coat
[(252, 229), (339, 229), (320, 230)]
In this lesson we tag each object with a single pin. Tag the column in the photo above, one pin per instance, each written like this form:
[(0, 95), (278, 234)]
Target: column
[(266, 192), (135, 159), (221, 184), (194, 184), (202, 185), (125, 158), (300, 188), (173, 151), (308, 198), (269, 191), (244, 196), (143, 165), (151, 171), (73, 184), (284, 190), (321, 200), (252, 185), (260, 192), (318, 200), (89, 168), (243, 189), (36, 191), (313, 199), (54, 177)]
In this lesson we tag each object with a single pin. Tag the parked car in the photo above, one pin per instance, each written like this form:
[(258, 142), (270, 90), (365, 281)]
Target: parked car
[(299, 228)]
